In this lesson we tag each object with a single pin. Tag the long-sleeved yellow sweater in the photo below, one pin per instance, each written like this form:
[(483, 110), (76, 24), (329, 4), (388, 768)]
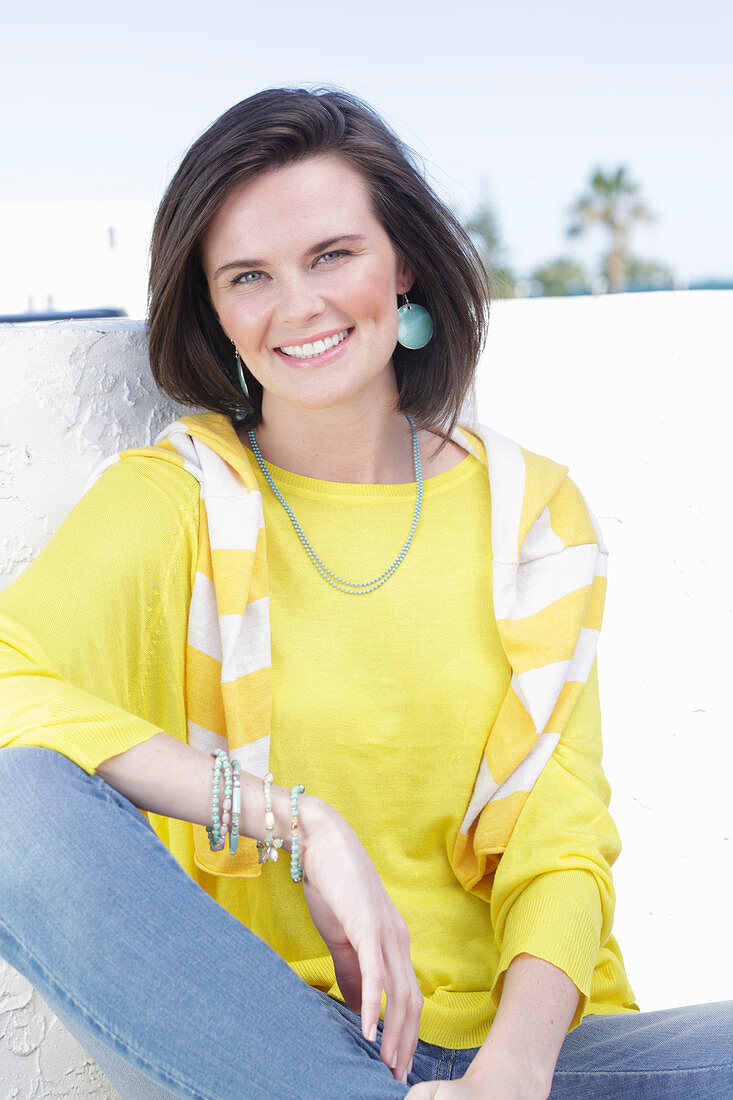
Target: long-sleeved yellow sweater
[(92, 654)]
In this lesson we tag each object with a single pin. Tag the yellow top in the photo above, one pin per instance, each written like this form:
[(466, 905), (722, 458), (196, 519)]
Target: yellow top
[(410, 676)]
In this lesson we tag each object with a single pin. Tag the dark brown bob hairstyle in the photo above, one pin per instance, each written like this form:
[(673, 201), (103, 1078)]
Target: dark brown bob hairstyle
[(192, 359)]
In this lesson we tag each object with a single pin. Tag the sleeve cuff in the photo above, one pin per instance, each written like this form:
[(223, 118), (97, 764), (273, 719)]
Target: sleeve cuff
[(557, 917)]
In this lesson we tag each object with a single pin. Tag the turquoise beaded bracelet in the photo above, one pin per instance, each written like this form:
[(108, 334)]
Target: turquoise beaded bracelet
[(296, 871), (219, 824)]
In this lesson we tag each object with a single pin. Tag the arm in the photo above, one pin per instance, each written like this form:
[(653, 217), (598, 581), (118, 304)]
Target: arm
[(517, 1059), (93, 632), (553, 894), (173, 779), (552, 907), (518, 1056), (367, 937)]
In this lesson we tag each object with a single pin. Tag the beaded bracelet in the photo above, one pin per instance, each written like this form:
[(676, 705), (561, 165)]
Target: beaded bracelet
[(236, 808), (268, 847), (296, 871), (219, 826)]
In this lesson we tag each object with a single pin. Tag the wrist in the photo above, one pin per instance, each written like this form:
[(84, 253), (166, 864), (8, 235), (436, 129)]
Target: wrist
[(310, 815), (502, 1067)]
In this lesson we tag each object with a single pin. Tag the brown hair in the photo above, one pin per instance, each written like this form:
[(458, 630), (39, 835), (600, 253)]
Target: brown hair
[(192, 359)]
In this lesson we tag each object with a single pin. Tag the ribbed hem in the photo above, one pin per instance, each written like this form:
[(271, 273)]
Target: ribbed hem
[(456, 1020)]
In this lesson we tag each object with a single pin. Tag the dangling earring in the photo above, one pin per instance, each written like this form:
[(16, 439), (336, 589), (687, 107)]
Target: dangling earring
[(242, 380), (415, 326)]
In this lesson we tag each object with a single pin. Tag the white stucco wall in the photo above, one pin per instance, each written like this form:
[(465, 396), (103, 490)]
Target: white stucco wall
[(70, 395), (631, 392)]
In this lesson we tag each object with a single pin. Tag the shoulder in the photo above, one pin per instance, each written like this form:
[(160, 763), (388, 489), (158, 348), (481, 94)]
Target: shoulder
[(137, 502), (154, 474), (530, 491), (503, 454)]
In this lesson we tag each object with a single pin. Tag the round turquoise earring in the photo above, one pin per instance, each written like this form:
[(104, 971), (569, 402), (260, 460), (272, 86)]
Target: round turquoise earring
[(415, 326)]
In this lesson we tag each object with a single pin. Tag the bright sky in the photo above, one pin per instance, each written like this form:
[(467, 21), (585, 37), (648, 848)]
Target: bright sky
[(517, 98)]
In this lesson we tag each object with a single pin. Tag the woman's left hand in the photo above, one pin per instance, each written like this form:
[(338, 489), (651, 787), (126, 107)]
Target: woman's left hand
[(450, 1090), (501, 1083)]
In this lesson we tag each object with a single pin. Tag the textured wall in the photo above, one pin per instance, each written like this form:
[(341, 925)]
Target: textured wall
[(39, 1060), (71, 393)]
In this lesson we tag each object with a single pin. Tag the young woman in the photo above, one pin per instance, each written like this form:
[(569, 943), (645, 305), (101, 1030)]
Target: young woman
[(322, 579)]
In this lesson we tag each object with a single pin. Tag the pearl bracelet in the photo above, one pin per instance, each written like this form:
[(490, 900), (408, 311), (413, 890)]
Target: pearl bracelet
[(236, 808), (268, 847)]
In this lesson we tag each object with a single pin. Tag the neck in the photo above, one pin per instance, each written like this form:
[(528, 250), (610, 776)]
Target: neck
[(369, 446)]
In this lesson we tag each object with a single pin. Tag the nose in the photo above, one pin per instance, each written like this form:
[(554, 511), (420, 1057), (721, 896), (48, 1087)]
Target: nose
[(299, 301)]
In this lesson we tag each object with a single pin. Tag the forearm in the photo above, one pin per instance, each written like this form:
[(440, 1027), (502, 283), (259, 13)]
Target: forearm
[(537, 1005), (171, 778)]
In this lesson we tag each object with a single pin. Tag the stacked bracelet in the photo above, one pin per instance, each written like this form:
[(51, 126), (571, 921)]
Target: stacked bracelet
[(219, 825), (296, 871), (268, 847), (236, 808)]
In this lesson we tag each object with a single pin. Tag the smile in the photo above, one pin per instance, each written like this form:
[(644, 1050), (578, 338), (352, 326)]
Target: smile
[(310, 351)]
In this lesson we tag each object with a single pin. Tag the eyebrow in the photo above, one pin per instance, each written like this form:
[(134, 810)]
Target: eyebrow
[(322, 246)]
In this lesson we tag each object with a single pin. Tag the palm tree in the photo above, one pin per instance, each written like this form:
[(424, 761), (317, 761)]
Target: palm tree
[(611, 203), (649, 274), (561, 276), (483, 229)]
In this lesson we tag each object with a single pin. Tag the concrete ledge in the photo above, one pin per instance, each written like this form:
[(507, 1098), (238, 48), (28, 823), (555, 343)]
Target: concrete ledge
[(71, 393)]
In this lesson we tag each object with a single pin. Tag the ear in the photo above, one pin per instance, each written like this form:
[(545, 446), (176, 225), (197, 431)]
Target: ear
[(405, 277)]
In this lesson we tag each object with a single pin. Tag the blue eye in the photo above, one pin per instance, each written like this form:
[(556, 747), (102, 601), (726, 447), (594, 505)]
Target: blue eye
[(335, 255), (247, 277)]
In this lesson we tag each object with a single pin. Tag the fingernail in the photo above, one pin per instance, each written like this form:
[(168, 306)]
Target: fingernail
[(409, 1068), (373, 1033), (393, 1064)]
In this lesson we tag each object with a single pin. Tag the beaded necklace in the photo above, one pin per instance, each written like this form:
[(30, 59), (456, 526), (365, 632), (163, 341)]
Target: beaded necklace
[(352, 588)]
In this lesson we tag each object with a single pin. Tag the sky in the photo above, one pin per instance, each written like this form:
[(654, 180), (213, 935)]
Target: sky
[(516, 101)]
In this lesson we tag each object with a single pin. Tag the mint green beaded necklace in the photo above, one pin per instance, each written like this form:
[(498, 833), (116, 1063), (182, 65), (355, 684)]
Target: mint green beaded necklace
[(352, 588)]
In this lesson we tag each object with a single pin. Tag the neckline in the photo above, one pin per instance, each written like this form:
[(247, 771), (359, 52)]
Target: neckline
[(314, 487)]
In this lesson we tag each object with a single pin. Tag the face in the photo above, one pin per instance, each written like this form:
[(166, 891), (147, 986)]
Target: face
[(304, 279)]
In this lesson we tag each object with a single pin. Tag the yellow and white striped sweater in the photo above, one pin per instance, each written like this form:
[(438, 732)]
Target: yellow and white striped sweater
[(174, 581), (549, 580)]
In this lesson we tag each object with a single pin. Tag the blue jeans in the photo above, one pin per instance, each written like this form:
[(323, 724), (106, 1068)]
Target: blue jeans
[(173, 997)]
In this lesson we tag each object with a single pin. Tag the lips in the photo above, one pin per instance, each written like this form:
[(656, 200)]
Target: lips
[(314, 348)]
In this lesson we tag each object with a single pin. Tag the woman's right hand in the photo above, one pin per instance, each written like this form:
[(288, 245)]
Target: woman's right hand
[(366, 935)]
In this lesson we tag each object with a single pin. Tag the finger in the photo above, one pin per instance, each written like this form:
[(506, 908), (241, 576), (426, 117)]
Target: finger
[(400, 1032), (372, 984), (404, 1005), (348, 974)]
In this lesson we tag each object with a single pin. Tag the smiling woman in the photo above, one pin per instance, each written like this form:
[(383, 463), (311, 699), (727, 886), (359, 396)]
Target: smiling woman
[(323, 579), (329, 141), (314, 317)]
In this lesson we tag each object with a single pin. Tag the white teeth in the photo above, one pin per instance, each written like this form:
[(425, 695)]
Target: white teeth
[(308, 351)]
